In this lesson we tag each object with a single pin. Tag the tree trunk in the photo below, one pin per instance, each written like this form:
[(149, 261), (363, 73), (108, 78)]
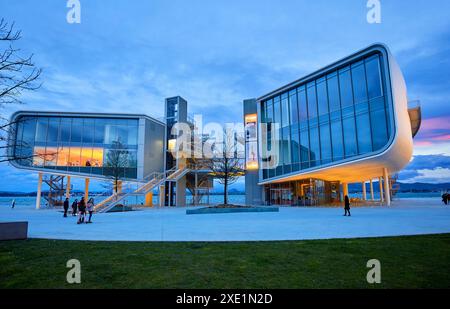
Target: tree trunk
[(225, 191)]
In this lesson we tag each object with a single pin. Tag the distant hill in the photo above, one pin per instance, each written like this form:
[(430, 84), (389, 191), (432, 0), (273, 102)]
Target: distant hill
[(407, 187), (419, 186)]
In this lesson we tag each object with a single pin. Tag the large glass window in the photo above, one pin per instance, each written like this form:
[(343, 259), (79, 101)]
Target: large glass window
[(340, 115), (74, 143)]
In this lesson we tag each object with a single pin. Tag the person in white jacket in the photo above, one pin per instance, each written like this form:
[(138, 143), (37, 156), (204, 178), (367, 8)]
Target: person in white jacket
[(90, 209)]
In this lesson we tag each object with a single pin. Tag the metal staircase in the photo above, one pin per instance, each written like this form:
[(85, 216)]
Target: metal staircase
[(57, 190), (150, 183)]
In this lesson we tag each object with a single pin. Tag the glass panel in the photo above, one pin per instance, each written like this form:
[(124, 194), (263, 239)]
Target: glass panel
[(41, 130), (364, 136), (65, 131), (304, 149), (378, 121), (51, 156), (74, 156), (88, 132), (76, 131), (285, 112), (373, 77), (359, 83), (122, 134), (303, 109), (294, 108), (350, 137), (295, 144), (333, 94), (325, 143), (322, 99), (336, 135), (312, 104), (132, 135), (29, 131), (277, 120), (286, 144), (63, 156), (345, 83), (315, 146), (86, 156), (53, 130)]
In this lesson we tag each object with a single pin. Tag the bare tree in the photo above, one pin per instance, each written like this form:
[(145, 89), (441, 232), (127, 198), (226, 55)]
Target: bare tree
[(117, 159), (17, 74), (227, 165)]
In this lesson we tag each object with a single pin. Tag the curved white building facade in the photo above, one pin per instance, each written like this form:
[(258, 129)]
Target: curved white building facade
[(345, 123)]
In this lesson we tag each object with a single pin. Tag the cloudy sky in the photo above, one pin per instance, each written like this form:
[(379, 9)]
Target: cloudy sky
[(127, 56)]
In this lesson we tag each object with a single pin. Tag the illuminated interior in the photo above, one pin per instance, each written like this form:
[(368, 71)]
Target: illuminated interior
[(68, 156)]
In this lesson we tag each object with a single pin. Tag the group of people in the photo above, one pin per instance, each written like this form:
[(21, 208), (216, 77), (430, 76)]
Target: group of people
[(80, 208), (446, 198)]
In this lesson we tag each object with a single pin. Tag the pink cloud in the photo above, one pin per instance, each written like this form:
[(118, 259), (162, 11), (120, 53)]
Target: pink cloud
[(436, 123)]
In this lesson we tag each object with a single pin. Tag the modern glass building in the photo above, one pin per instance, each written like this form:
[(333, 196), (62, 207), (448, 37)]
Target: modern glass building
[(93, 145), (84, 145), (347, 122)]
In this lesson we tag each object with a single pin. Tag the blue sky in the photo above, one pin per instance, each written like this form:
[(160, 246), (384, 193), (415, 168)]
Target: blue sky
[(127, 56)]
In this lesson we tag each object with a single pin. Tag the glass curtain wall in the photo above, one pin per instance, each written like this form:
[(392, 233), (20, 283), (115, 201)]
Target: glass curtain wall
[(339, 115), (81, 145)]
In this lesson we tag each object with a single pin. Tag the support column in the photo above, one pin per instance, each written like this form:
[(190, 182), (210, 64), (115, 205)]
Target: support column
[(180, 192), (380, 180), (68, 187), (196, 190), (364, 191), (162, 195), (86, 189), (371, 190), (38, 193), (345, 190), (119, 186), (387, 190), (149, 199)]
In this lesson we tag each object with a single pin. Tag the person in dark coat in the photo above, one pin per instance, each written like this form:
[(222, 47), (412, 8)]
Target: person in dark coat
[(81, 210), (66, 206), (74, 208), (445, 198), (347, 206)]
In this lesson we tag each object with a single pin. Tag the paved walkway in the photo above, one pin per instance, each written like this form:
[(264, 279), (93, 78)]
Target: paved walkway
[(405, 217)]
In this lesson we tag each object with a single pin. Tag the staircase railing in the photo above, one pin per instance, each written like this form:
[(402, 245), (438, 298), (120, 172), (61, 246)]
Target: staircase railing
[(151, 181)]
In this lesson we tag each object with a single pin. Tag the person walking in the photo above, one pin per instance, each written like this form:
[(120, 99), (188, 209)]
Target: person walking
[(81, 210), (90, 209), (13, 203), (74, 207), (66, 206), (445, 198), (347, 206)]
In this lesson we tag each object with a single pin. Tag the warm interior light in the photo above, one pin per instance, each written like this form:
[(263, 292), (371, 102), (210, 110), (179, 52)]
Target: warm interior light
[(252, 165), (68, 156), (172, 144), (250, 118)]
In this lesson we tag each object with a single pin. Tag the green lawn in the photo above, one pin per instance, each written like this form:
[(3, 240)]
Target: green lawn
[(407, 262)]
